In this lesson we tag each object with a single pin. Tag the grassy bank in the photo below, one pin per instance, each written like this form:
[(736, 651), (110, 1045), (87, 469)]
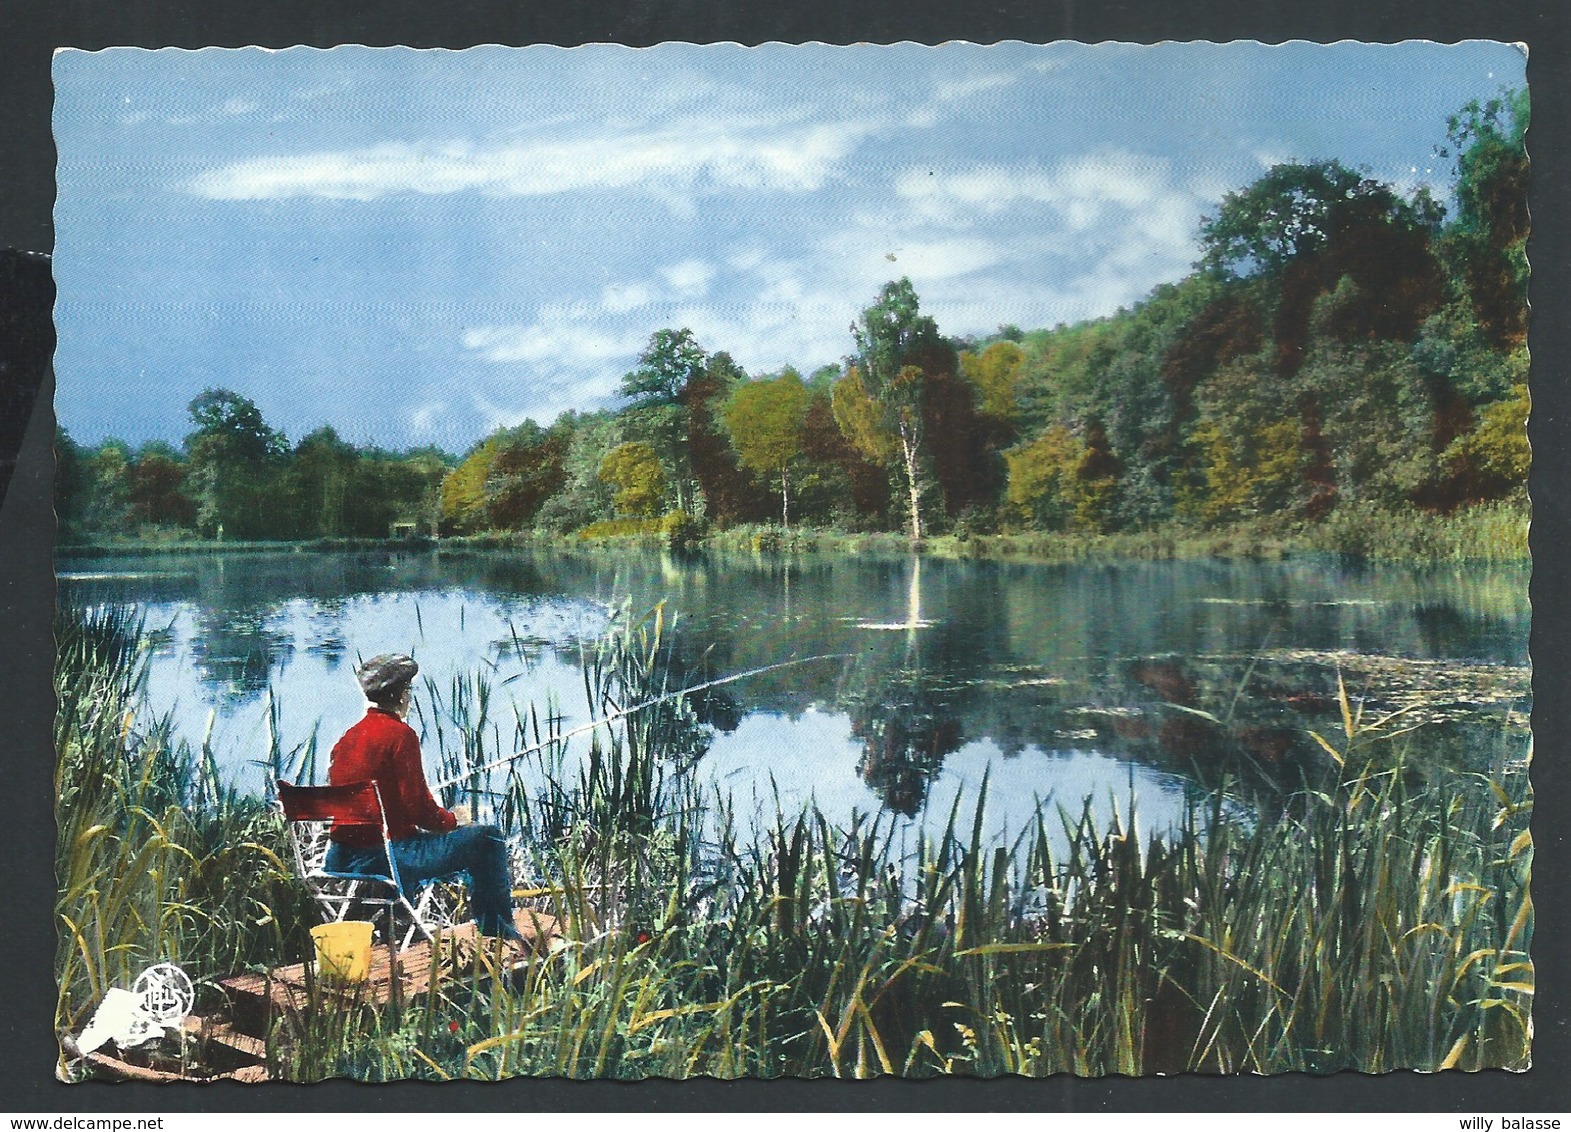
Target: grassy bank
[(1493, 532), (136, 547), (155, 861), (1377, 921)]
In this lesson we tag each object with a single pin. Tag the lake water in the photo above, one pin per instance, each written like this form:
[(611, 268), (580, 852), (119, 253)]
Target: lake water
[(1061, 683)]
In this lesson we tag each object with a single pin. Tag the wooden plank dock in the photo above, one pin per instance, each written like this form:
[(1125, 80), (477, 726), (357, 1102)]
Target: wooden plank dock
[(234, 1041)]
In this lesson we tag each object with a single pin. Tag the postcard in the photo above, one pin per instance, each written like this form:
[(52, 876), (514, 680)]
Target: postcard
[(792, 561)]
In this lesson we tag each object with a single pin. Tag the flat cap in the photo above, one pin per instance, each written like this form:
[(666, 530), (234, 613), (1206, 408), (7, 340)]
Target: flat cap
[(384, 677)]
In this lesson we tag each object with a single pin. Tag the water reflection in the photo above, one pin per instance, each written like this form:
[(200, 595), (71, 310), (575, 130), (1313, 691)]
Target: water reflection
[(899, 713), (1175, 672), (905, 733), (237, 650), (684, 728)]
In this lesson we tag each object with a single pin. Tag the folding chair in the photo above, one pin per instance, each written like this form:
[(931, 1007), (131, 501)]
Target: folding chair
[(310, 812)]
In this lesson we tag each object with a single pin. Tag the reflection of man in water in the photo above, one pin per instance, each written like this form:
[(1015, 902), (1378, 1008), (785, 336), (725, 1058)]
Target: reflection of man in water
[(428, 841)]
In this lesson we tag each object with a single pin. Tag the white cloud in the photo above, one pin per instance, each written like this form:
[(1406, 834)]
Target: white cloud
[(955, 89), (423, 419), (770, 313), (804, 330), (560, 342), (746, 259), (544, 402), (876, 253), (1032, 244), (672, 160), (690, 277), (1083, 190), (619, 297)]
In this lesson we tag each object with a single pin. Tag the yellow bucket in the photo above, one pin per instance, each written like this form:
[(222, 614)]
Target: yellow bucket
[(343, 950)]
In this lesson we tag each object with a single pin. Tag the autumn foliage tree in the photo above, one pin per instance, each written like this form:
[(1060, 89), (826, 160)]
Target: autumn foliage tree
[(633, 469), (527, 469), (765, 419), (463, 491)]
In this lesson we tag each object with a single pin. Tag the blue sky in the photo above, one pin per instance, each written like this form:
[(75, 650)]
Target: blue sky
[(417, 247)]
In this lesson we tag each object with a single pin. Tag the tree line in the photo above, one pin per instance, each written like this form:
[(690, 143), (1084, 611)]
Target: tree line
[(1337, 343)]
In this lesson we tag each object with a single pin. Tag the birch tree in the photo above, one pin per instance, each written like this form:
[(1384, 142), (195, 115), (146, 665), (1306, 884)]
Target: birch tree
[(891, 337)]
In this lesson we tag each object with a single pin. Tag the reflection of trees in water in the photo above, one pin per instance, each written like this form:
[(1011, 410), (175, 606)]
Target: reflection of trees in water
[(325, 631), (683, 728), (906, 732), (506, 577), (1032, 657), (236, 650), (913, 683), (904, 712)]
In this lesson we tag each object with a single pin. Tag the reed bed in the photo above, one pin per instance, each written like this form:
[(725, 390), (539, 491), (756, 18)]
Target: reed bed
[(155, 860), (1377, 919)]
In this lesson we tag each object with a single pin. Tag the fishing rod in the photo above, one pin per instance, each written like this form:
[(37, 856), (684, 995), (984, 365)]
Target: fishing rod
[(623, 713)]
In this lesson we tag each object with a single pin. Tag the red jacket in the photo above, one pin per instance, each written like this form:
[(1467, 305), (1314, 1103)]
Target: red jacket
[(384, 749)]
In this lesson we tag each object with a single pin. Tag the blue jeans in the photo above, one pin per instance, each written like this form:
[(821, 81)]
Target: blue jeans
[(478, 850)]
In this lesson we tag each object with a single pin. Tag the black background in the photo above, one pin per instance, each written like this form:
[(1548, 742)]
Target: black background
[(31, 29)]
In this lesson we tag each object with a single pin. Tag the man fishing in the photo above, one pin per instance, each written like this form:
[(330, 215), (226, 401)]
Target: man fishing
[(428, 841)]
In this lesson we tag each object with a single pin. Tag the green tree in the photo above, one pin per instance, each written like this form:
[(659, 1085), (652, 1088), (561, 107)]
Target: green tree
[(634, 470), (892, 337), (324, 471), (1454, 351), (106, 487), (70, 483), (655, 414), (765, 420), (427, 469), (391, 488), (583, 498), (1377, 412), (1487, 243), (235, 463), (1297, 209)]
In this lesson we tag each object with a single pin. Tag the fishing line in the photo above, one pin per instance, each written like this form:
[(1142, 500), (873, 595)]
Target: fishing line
[(494, 764)]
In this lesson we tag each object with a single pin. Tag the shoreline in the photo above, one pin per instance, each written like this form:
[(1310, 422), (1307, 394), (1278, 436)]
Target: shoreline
[(1494, 534)]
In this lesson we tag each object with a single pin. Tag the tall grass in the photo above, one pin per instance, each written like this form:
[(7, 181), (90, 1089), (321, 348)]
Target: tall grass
[(1380, 919), (1336, 941), (1486, 532), (155, 860)]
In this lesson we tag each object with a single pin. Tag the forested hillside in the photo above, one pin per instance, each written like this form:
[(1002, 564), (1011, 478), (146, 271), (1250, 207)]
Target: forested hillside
[(1341, 347)]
